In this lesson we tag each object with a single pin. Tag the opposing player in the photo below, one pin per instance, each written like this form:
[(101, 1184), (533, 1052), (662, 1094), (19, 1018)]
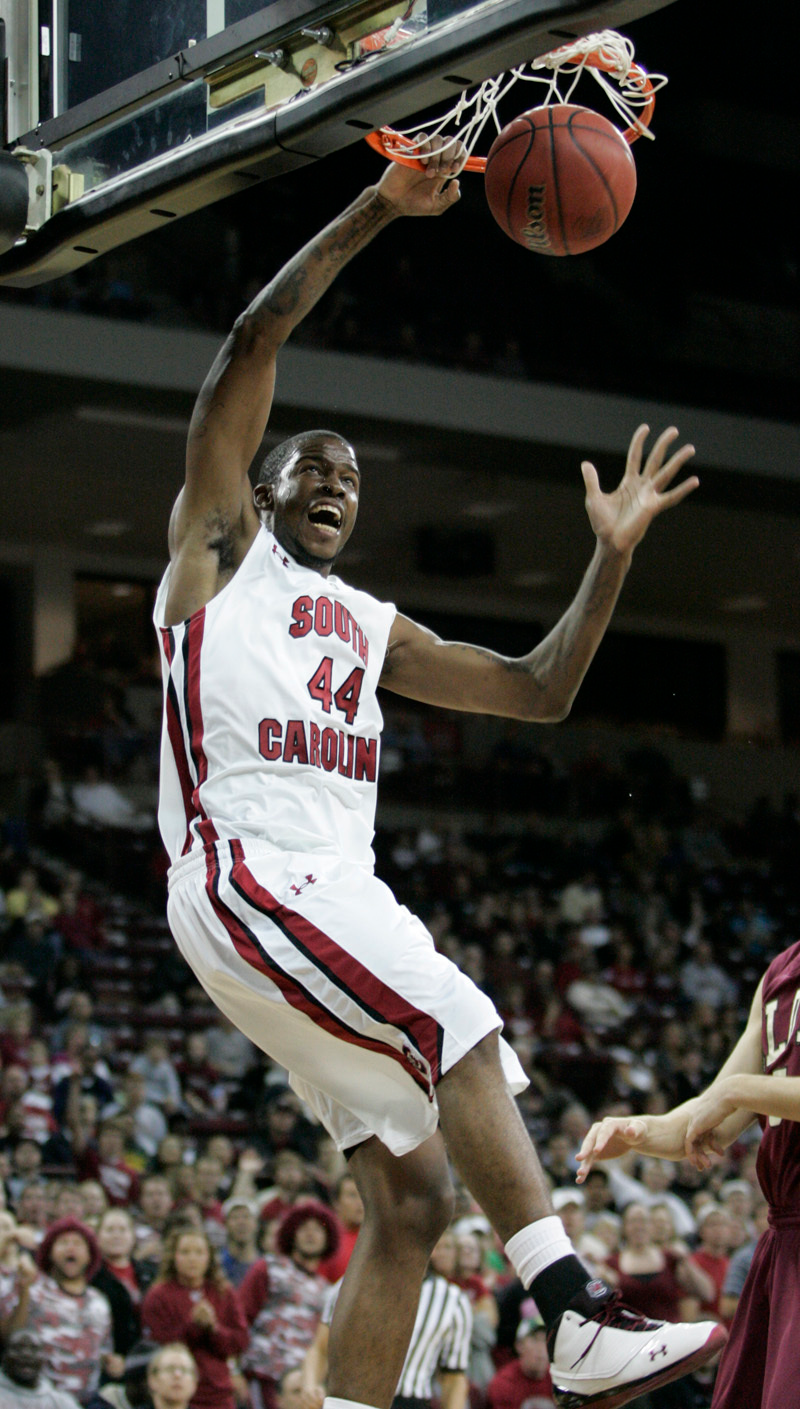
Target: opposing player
[(759, 1363), (269, 767)]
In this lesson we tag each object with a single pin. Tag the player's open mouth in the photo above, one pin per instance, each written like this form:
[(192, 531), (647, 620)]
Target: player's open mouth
[(326, 518)]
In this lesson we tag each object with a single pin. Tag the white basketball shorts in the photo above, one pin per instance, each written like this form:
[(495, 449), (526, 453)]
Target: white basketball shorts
[(317, 963)]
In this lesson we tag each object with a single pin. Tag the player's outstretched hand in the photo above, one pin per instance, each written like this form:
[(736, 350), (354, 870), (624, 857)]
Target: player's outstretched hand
[(621, 519), (608, 1139), (428, 192)]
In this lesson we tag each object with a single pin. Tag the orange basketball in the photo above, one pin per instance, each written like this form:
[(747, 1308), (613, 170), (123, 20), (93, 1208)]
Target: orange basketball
[(560, 179)]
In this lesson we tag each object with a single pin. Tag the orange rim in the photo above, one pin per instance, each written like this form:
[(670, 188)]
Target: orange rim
[(387, 141), (385, 138)]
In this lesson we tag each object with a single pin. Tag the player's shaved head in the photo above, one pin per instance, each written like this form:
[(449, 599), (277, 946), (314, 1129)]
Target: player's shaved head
[(273, 463)]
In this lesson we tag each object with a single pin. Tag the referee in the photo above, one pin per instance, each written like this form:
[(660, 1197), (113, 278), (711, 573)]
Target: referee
[(439, 1350)]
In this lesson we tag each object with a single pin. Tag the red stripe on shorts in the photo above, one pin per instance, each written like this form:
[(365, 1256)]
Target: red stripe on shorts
[(370, 992), (247, 946)]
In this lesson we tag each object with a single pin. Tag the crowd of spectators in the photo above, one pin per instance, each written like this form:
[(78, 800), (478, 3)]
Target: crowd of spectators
[(162, 1184)]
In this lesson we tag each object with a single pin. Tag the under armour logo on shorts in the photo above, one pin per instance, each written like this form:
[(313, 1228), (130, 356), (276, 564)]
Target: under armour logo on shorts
[(309, 881)]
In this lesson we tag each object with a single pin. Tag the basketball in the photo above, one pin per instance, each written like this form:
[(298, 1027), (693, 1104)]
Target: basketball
[(560, 179)]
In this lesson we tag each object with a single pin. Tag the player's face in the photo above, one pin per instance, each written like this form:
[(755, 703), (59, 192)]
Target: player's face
[(315, 502)]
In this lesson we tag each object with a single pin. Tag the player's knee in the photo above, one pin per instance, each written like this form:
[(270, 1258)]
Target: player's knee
[(413, 1212)]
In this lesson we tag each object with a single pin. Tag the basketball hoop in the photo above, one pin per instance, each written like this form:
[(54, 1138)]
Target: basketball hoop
[(607, 56)]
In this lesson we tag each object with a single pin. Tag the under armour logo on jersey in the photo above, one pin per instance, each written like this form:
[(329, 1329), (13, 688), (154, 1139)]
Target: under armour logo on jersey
[(309, 881), (280, 556), (658, 1350)]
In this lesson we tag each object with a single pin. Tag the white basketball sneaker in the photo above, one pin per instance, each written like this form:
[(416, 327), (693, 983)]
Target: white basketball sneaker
[(603, 1355)]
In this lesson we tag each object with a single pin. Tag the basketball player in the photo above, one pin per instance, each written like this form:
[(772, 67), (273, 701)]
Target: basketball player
[(269, 764), (759, 1363)]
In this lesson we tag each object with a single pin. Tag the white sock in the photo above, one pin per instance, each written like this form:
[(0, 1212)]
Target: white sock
[(538, 1246), (332, 1403)]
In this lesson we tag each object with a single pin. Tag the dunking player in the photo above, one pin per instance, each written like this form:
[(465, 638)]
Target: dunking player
[(759, 1363), (269, 761)]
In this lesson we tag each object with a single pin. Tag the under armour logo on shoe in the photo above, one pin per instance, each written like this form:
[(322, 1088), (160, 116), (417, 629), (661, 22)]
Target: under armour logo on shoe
[(596, 1289), (309, 881), (658, 1350)]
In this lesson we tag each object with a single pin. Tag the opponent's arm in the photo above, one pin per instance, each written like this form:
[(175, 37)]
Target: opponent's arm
[(234, 403), (542, 685), (707, 1123)]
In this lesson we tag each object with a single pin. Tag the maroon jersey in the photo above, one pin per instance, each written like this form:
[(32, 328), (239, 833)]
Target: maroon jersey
[(779, 1154)]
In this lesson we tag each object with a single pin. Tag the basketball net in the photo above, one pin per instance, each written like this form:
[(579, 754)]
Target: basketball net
[(607, 56)]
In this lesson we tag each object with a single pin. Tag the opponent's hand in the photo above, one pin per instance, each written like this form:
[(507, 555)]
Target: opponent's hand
[(621, 519), (708, 1111), (428, 192), (608, 1139)]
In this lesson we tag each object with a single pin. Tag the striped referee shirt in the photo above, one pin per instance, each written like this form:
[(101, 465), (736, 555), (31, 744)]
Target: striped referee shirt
[(439, 1341)]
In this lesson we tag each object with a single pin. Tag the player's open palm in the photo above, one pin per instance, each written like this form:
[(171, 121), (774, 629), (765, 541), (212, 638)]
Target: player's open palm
[(428, 192), (621, 519)]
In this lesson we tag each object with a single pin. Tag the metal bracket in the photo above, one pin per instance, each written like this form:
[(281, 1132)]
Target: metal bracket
[(68, 186), (39, 166)]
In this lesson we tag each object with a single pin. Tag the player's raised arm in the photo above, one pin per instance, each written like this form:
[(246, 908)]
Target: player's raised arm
[(707, 1124), (234, 403), (542, 685)]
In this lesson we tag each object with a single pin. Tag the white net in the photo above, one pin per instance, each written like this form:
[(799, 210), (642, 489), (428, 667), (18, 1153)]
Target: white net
[(607, 56)]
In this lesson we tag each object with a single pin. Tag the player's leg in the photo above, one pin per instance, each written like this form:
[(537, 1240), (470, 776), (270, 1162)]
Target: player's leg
[(600, 1354), (408, 1202)]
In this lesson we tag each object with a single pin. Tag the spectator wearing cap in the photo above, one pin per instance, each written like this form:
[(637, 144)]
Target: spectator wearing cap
[(737, 1198), (22, 1383), (525, 1380), (282, 1298), (569, 1204), (193, 1302), (72, 1317), (239, 1250)]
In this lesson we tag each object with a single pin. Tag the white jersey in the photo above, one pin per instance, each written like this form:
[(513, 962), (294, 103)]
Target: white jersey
[(271, 724)]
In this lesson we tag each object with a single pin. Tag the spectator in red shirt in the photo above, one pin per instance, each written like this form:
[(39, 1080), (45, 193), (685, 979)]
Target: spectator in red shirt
[(712, 1254), (291, 1182), (192, 1302), (208, 1175), (349, 1211), (105, 1162), (526, 1379), (651, 1279), (199, 1079)]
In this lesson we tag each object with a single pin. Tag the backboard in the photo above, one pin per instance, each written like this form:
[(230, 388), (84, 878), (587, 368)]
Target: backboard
[(126, 114)]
